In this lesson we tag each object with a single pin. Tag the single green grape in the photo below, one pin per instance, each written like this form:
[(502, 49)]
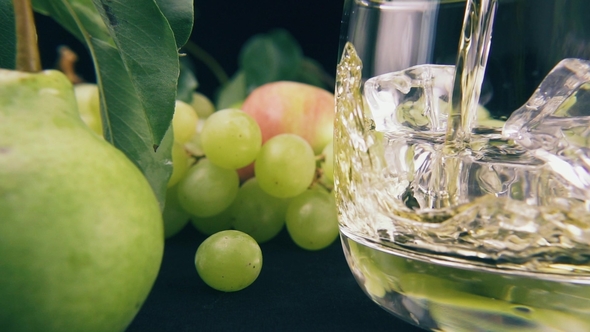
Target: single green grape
[(202, 105), (174, 216), (180, 164), (285, 166), (207, 189), (184, 122), (231, 138), (213, 224), (229, 260), (257, 213), (328, 164), (193, 145), (312, 219)]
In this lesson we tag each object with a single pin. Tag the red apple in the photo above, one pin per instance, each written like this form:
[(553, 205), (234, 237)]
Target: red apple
[(291, 107)]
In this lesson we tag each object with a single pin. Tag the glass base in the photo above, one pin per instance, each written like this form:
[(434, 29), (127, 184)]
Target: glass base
[(438, 294)]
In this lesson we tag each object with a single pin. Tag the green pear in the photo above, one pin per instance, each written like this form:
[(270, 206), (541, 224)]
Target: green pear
[(81, 232)]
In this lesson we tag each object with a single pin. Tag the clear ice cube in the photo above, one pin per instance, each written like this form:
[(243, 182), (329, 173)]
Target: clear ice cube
[(416, 99), (554, 124), (558, 112)]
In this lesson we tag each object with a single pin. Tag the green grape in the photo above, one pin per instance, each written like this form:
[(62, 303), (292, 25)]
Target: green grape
[(229, 260), (89, 105), (285, 166), (312, 219), (184, 122), (180, 164), (213, 224), (328, 164), (207, 190), (193, 145), (257, 213), (202, 105), (231, 138), (175, 217)]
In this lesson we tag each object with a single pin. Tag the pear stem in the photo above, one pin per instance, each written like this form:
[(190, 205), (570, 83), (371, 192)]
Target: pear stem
[(27, 50)]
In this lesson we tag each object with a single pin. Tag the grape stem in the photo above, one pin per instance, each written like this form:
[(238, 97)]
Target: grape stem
[(317, 180), (27, 50), (197, 158)]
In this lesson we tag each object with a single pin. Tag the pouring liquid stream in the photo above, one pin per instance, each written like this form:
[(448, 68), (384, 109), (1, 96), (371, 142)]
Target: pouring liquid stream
[(474, 46), (472, 58)]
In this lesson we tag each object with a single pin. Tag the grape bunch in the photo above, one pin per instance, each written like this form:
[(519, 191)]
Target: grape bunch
[(291, 186), (240, 188)]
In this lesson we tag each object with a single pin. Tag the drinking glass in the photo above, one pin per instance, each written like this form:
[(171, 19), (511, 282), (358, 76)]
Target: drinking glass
[(462, 161)]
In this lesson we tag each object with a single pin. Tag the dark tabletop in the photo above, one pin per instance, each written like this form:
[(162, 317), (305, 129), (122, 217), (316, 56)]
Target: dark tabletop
[(297, 290)]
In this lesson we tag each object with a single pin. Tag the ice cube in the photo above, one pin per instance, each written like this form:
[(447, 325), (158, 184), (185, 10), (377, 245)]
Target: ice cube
[(558, 112), (554, 124), (416, 99)]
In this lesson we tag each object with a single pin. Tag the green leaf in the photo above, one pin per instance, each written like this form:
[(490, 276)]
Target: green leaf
[(232, 92), (270, 57), (86, 15), (128, 68), (147, 47), (130, 130), (180, 15), (7, 35), (187, 81)]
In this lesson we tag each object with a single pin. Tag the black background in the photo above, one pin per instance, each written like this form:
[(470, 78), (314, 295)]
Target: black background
[(297, 290)]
